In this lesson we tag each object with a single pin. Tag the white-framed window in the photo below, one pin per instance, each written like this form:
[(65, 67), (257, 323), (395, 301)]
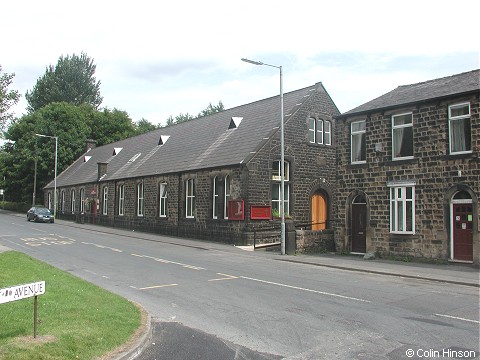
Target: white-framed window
[(358, 142), (140, 199), (220, 197), (163, 193), (327, 132), (402, 208), (121, 200), (215, 198), (402, 136), (105, 201), (73, 201), (82, 201), (277, 186), (226, 197), (460, 128), (62, 207), (319, 131), (190, 198)]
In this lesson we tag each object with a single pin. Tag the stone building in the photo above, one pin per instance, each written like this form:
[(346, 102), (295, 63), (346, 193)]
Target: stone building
[(215, 177), (408, 172)]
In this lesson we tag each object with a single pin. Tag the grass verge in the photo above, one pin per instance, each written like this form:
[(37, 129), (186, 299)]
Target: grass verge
[(77, 320)]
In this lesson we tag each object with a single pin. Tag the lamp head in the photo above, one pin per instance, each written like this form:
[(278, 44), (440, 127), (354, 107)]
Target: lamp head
[(252, 61)]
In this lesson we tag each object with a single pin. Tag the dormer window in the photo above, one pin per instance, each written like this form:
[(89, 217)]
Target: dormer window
[(163, 139), (235, 122)]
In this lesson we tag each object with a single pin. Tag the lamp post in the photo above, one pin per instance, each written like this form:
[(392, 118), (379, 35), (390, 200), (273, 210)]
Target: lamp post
[(282, 154), (55, 181)]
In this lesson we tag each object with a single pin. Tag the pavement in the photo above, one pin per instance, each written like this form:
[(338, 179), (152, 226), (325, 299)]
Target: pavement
[(153, 332)]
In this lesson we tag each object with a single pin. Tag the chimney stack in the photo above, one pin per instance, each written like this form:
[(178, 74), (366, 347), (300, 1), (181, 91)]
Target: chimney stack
[(90, 144), (102, 170)]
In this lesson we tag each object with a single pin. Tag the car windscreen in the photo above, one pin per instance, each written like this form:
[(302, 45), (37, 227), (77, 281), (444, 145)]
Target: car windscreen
[(43, 212)]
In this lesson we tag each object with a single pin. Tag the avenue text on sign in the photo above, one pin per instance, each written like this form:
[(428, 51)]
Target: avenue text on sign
[(19, 292)]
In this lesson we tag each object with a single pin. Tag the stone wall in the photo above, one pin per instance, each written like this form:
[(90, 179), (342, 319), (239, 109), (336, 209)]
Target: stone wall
[(309, 241), (312, 169)]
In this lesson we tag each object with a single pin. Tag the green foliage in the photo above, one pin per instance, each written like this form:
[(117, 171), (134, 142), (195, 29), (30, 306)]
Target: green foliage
[(143, 126), (78, 320), (67, 122), (71, 81), (16, 207), (108, 126), (210, 109), (8, 98)]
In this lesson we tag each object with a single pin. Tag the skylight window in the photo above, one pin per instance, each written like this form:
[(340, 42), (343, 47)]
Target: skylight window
[(134, 157), (116, 151), (86, 158)]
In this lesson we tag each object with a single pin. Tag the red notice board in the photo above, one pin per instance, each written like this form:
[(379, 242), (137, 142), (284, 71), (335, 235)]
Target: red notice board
[(236, 210), (260, 212)]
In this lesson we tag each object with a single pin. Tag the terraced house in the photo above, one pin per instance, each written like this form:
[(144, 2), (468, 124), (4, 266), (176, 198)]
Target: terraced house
[(216, 177), (408, 170)]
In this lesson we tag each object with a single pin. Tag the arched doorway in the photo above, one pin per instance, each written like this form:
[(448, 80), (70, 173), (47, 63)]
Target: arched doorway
[(319, 211), (461, 233), (359, 224)]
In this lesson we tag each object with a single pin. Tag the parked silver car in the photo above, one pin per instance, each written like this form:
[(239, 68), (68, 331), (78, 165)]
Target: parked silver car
[(40, 214)]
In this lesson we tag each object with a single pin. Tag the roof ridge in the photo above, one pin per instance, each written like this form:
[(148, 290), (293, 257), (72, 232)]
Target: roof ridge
[(437, 79)]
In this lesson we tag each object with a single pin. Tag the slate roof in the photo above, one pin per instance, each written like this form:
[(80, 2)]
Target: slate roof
[(206, 142), (428, 90)]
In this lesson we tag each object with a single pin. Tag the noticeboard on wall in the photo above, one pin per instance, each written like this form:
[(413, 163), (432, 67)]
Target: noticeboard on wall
[(260, 212), (236, 210)]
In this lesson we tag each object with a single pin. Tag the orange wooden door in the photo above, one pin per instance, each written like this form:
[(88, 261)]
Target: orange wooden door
[(319, 211)]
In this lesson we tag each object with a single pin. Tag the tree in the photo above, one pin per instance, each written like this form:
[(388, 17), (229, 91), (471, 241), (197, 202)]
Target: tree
[(108, 126), (8, 98), (71, 81), (67, 122), (143, 126), (210, 109)]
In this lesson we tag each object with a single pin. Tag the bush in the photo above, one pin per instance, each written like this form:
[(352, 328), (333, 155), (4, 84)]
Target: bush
[(13, 206)]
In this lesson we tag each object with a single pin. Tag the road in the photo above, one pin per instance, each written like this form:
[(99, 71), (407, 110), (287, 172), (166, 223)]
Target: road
[(254, 302)]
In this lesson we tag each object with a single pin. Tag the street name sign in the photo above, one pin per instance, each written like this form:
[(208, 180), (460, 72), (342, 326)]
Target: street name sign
[(19, 292)]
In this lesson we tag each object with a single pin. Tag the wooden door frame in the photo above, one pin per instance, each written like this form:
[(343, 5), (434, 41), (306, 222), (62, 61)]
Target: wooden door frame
[(452, 222), (325, 197), (351, 203)]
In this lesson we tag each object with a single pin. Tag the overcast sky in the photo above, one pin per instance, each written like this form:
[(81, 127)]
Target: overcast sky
[(157, 58)]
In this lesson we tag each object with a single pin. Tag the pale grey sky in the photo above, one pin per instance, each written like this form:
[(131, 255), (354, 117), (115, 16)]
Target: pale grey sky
[(155, 59)]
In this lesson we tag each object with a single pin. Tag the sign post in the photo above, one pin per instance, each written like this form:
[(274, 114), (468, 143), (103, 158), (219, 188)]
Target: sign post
[(19, 292)]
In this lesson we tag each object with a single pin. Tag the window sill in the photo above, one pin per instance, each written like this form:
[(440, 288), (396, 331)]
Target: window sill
[(359, 165), (401, 161), (464, 155), (318, 145)]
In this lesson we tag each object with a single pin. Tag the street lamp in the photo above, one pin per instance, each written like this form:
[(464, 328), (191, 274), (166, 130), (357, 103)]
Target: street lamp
[(55, 181), (282, 154)]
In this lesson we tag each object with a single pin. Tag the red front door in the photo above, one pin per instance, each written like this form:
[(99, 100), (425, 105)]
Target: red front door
[(463, 232)]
